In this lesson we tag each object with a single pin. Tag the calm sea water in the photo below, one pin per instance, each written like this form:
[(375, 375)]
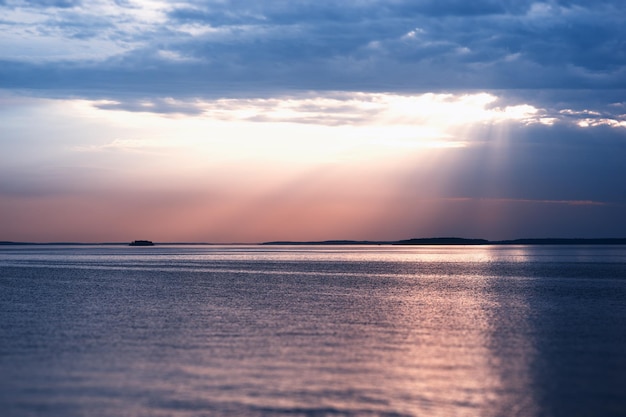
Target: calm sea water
[(312, 331)]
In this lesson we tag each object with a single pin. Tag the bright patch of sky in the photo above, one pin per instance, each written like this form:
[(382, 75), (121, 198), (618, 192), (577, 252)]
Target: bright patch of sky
[(364, 112)]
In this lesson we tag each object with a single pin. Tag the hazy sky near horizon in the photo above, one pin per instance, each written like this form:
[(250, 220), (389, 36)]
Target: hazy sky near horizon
[(249, 121)]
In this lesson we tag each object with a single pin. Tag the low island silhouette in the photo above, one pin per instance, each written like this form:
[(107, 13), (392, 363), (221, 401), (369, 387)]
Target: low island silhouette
[(141, 243), (463, 241)]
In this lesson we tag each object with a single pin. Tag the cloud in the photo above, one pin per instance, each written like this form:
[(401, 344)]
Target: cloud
[(154, 105), (108, 49), (543, 163), (42, 3), (340, 108)]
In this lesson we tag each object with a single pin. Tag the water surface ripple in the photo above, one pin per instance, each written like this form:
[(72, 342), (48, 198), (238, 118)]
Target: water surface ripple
[(312, 331)]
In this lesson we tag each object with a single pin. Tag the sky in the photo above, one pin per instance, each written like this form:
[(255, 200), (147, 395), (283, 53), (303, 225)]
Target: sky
[(249, 121)]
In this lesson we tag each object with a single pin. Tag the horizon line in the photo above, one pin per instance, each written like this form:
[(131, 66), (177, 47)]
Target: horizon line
[(411, 241)]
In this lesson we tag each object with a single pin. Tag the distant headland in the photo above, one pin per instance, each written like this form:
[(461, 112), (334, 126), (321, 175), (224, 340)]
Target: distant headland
[(463, 241)]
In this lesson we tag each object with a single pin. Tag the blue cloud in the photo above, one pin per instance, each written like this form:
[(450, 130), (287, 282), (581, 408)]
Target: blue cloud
[(63, 4), (546, 163), (461, 8), (206, 48)]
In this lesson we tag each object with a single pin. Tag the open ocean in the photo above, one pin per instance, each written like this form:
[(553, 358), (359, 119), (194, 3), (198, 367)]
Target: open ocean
[(184, 331)]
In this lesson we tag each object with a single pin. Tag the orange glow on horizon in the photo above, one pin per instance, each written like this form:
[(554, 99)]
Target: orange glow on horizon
[(313, 167)]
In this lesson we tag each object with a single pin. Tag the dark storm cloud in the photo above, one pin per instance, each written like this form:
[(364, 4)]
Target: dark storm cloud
[(438, 33), (572, 52), (460, 7)]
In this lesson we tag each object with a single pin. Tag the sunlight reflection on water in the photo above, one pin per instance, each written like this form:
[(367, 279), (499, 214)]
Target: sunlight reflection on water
[(350, 331)]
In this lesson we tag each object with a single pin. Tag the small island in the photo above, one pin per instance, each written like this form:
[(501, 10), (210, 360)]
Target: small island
[(141, 243)]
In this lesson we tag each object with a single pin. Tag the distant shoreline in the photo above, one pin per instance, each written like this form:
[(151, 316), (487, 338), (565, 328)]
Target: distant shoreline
[(466, 242), (437, 241)]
